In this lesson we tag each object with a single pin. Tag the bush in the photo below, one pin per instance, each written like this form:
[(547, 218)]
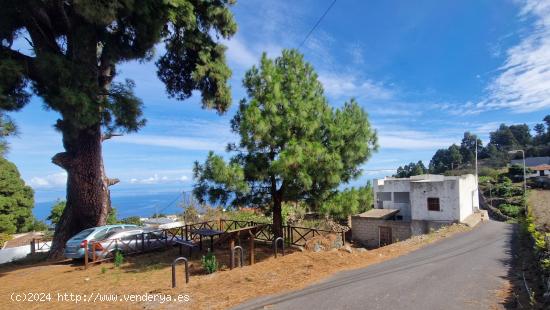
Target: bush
[(190, 214), (510, 210), (39, 226), (246, 215), (4, 238), (209, 262), (119, 259), (131, 220), (293, 212), (515, 172), (506, 189), (488, 172)]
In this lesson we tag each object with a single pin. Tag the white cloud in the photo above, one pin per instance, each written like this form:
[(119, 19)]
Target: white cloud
[(348, 85), (412, 140), (159, 179), (49, 181), (523, 85), (239, 52), (182, 143)]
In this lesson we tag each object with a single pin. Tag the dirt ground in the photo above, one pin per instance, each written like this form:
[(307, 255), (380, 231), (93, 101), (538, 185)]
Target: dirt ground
[(148, 277), (539, 200)]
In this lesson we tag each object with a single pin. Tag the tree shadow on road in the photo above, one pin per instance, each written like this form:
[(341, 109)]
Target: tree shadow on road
[(523, 287)]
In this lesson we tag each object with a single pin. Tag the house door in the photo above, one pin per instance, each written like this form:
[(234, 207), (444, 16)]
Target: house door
[(385, 235)]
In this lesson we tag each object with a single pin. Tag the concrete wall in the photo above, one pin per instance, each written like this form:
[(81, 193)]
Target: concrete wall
[(392, 186), (457, 196), (448, 193), (469, 198), (366, 231)]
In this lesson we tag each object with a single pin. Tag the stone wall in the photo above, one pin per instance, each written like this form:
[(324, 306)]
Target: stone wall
[(366, 230)]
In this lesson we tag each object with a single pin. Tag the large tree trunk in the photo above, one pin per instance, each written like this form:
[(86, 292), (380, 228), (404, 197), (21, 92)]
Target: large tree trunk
[(277, 217), (88, 200)]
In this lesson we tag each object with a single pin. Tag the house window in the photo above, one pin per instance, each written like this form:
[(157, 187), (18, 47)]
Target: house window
[(401, 197), (433, 204)]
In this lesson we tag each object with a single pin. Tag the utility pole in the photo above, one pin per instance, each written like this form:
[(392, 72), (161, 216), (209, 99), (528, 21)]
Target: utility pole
[(476, 162), (524, 178)]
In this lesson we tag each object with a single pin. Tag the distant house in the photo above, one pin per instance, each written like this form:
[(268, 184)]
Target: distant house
[(161, 222), (540, 166), (412, 206)]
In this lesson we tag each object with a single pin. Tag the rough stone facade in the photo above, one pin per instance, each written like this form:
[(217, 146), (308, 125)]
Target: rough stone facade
[(366, 230)]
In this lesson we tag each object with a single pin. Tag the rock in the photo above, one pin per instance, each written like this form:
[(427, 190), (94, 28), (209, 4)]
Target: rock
[(346, 248), (301, 248), (316, 247), (337, 243), (361, 250)]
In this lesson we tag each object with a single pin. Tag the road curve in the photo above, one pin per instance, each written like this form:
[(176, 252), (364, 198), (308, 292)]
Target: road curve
[(461, 272)]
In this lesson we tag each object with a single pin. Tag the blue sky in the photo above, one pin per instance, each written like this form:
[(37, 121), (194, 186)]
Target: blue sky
[(425, 71)]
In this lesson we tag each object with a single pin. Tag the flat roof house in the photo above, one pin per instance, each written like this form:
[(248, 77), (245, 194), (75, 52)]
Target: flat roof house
[(411, 206)]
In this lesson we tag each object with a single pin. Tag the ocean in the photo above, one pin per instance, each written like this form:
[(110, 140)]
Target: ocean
[(143, 205)]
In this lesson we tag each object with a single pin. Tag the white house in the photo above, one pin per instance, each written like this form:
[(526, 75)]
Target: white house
[(411, 206), (540, 166)]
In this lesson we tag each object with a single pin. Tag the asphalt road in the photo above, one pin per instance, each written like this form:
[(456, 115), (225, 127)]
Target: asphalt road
[(461, 272)]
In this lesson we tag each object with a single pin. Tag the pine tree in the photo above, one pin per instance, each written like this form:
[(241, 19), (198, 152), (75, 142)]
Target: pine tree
[(293, 146), (16, 200), (76, 46)]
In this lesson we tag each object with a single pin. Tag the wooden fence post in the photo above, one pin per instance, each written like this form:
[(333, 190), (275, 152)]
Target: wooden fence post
[(343, 237), (33, 246), (232, 254), (251, 250), (93, 250), (85, 254)]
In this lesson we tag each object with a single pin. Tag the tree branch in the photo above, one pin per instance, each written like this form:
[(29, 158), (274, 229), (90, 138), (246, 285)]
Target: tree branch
[(62, 160), (111, 182), (109, 136), (27, 62)]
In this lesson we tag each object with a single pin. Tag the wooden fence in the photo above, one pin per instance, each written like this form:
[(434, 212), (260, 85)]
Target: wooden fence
[(40, 245), (101, 250)]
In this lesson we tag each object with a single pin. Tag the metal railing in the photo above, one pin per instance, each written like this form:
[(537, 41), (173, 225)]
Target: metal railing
[(241, 261), (275, 242), (174, 263)]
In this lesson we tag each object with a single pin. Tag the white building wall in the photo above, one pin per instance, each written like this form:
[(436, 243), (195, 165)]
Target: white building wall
[(457, 196), (392, 186), (469, 198), (448, 193)]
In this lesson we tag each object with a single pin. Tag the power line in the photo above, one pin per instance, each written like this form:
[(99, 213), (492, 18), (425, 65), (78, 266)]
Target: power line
[(317, 24)]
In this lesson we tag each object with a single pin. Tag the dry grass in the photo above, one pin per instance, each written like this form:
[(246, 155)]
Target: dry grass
[(539, 201), (151, 274)]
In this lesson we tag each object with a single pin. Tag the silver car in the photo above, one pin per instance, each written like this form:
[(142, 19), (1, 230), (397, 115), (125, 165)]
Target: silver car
[(128, 241), (74, 248)]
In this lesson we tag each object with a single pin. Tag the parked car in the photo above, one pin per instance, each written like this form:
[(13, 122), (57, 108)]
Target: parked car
[(74, 248), (129, 241)]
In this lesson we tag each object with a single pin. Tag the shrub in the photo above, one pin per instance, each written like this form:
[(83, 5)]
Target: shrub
[(293, 212), (132, 220), (246, 215), (488, 172), (119, 259), (190, 214), (209, 262), (39, 226), (506, 189), (4, 238), (510, 210)]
